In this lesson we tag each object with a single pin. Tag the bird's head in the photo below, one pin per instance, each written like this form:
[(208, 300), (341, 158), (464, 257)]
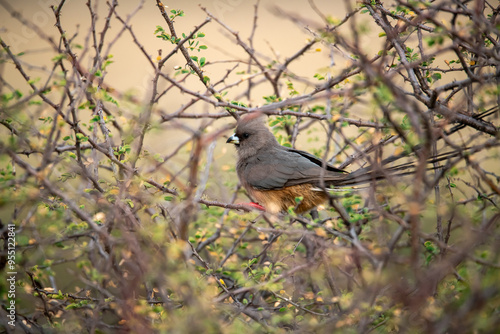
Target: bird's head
[(252, 135)]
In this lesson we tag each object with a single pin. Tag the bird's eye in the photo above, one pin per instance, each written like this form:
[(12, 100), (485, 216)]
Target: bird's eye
[(246, 135)]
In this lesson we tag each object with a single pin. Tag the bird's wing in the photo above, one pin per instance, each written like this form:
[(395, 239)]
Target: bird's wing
[(281, 167), (316, 160)]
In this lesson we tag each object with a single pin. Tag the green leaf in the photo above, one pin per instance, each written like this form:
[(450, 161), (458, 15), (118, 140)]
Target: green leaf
[(436, 76), (158, 157), (59, 57), (95, 119), (81, 137), (129, 202)]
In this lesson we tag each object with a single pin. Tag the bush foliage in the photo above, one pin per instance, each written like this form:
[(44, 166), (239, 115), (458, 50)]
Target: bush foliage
[(115, 232)]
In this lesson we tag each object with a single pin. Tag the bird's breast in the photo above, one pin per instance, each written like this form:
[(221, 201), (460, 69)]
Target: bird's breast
[(302, 197)]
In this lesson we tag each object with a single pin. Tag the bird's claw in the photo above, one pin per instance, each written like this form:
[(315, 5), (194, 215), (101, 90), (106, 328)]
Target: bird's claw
[(256, 206)]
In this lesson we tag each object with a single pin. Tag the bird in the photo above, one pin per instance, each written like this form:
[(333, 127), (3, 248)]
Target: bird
[(280, 177)]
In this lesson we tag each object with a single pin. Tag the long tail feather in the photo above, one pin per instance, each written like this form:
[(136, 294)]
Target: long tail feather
[(382, 171)]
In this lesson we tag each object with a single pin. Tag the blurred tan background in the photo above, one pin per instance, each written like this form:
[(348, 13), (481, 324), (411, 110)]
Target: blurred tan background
[(275, 37)]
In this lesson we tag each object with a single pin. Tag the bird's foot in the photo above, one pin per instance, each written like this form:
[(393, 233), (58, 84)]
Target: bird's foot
[(255, 206)]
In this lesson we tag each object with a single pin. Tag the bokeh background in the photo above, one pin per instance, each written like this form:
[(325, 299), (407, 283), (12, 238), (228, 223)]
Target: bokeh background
[(164, 244)]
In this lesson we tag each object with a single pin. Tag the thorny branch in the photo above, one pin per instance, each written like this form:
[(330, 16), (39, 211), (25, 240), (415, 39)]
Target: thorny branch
[(139, 209)]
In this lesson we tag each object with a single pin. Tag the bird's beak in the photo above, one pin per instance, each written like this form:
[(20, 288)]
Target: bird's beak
[(233, 140)]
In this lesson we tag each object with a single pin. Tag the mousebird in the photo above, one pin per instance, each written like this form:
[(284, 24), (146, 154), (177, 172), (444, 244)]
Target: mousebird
[(275, 175)]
